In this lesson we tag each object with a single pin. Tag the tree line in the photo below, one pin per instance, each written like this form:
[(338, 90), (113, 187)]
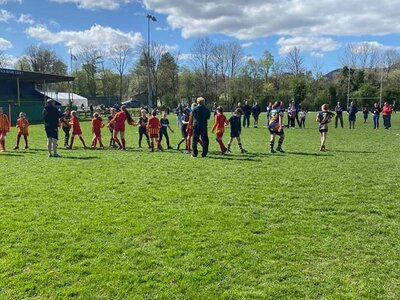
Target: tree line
[(223, 73)]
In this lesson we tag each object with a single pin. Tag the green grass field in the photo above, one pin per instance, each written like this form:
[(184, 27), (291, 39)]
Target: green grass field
[(140, 225)]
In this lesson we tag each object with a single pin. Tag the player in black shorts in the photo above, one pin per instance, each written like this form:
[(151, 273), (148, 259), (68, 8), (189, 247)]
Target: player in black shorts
[(164, 130), (142, 128), (185, 122), (234, 122)]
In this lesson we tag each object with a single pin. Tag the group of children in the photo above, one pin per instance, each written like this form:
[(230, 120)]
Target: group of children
[(155, 129)]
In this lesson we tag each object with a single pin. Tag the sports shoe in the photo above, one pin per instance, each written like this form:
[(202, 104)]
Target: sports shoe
[(26, 147), (49, 155), (272, 151), (16, 148), (243, 151), (56, 155), (279, 149)]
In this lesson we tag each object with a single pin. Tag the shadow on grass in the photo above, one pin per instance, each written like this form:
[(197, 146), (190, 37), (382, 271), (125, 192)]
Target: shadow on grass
[(237, 158), (309, 153), (354, 151), (9, 154), (78, 157)]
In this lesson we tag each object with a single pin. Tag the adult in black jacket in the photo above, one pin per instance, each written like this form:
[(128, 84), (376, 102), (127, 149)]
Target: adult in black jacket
[(246, 114), (256, 110), (51, 117), (201, 115)]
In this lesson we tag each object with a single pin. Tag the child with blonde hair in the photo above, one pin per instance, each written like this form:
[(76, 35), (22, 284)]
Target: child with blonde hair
[(22, 125)]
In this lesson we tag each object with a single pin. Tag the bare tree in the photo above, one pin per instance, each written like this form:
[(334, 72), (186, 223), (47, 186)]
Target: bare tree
[(390, 59), (42, 59), (90, 57), (121, 57), (201, 59), (361, 56), (294, 62)]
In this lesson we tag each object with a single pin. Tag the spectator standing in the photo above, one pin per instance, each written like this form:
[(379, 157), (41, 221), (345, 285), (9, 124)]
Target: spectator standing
[(246, 114), (376, 110), (51, 117), (339, 114), (201, 114), (256, 110), (352, 110), (387, 114)]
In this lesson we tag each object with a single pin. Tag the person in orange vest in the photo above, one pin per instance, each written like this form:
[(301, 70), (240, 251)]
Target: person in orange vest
[(4, 128), (22, 125)]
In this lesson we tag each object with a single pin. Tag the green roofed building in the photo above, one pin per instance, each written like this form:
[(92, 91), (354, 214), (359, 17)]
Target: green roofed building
[(27, 91)]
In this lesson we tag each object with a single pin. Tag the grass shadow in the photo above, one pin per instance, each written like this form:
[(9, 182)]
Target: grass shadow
[(354, 151), (78, 157), (309, 153), (9, 154), (236, 158)]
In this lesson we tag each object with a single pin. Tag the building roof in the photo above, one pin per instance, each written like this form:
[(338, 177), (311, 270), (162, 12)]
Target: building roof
[(35, 77)]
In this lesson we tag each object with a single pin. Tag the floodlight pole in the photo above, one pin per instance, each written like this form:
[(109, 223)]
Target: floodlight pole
[(348, 90), (380, 92), (149, 93)]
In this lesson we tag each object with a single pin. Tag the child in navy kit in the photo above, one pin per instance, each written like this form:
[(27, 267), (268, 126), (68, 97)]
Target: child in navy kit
[(234, 121), (164, 123), (142, 128), (184, 122)]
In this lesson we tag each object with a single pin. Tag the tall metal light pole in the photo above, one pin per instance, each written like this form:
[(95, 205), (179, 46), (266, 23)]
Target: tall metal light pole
[(381, 88), (348, 90), (149, 92)]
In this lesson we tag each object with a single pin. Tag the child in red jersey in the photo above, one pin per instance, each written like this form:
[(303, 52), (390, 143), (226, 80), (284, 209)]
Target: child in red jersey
[(97, 124), (76, 129), (22, 125), (119, 126), (4, 128), (153, 127), (220, 122)]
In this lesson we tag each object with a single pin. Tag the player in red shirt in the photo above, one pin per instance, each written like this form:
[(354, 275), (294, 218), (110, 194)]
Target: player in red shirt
[(4, 128), (22, 125), (119, 126), (153, 127), (76, 129), (97, 124), (220, 122)]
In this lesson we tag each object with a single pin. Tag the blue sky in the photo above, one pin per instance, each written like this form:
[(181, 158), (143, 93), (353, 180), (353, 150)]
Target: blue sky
[(320, 29)]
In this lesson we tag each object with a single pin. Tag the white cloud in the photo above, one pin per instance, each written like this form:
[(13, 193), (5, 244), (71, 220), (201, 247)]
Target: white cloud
[(247, 45), (360, 46), (97, 36), (317, 54), (4, 44), (185, 56), (5, 15), (5, 1), (26, 19), (162, 28), (96, 4), (260, 18), (307, 44)]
